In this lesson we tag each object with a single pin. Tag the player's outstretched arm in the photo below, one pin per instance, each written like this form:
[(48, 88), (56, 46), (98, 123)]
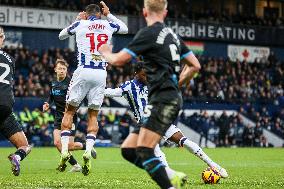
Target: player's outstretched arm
[(64, 34), (192, 66), (123, 29), (115, 59), (117, 92)]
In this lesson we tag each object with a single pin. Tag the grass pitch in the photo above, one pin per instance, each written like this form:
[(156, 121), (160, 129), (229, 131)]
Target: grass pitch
[(248, 168)]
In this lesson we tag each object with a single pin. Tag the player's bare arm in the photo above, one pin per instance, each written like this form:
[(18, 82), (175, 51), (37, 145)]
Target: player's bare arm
[(105, 8), (191, 67), (115, 59), (45, 107), (123, 29), (117, 92)]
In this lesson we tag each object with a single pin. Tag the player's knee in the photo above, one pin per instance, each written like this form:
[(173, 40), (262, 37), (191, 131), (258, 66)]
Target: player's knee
[(72, 105), (144, 153), (67, 121), (148, 159), (129, 154), (57, 143), (71, 146), (65, 125)]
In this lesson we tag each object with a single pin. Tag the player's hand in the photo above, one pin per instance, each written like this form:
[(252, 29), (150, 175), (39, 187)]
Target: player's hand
[(105, 8), (45, 107), (82, 16), (105, 48)]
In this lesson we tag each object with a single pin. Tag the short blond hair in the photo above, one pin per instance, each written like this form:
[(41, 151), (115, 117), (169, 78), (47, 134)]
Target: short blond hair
[(61, 62), (155, 5)]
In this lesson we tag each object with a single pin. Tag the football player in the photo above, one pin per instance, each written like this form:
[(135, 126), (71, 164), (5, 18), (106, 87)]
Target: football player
[(89, 79)]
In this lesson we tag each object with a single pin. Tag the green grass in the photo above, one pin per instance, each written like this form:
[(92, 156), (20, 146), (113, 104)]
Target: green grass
[(248, 168)]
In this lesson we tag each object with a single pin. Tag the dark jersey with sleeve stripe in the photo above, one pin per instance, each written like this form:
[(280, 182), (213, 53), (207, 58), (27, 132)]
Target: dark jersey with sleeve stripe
[(162, 51), (58, 92), (7, 71)]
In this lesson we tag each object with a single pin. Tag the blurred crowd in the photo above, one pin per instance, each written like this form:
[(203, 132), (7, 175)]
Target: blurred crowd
[(35, 70), (179, 10), (211, 16), (220, 80), (226, 130), (38, 126)]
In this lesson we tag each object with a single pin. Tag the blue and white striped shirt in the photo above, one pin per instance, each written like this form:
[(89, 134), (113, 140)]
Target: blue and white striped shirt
[(135, 92)]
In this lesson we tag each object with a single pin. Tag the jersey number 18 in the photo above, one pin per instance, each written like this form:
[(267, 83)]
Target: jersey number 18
[(101, 38)]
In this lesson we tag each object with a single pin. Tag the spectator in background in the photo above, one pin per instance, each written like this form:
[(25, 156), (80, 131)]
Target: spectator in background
[(111, 117), (258, 134), (117, 117), (103, 133), (223, 124), (177, 11), (205, 126), (232, 134), (220, 81), (124, 125), (248, 136), (263, 142)]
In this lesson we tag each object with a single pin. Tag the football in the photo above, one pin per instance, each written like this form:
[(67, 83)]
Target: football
[(210, 176)]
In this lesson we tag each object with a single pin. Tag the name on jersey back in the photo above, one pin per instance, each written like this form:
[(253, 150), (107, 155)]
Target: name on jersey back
[(96, 27)]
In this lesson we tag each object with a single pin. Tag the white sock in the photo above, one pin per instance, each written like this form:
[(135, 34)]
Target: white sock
[(65, 134), (18, 157), (90, 142), (160, 154), (197, 151), (170, 172)]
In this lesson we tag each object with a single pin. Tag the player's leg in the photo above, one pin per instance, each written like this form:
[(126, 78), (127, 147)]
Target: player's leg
[(128, 148), (76, 167), (147, 140), (95, 98), (12, 131), (66, 127), (175, 135), (78, 89), (158, 119), (56, 140), (177, 178), (128, 151), (92, 130)]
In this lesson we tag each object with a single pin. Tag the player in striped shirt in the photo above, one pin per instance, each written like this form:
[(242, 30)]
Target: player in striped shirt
[(89, 79), (136, 93)]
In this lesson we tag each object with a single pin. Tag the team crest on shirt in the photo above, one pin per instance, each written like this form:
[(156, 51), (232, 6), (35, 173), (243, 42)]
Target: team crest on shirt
[(96, 57)]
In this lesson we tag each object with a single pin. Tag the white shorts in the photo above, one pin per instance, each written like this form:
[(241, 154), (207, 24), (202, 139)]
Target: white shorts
[(171, 131), (87, 82)]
